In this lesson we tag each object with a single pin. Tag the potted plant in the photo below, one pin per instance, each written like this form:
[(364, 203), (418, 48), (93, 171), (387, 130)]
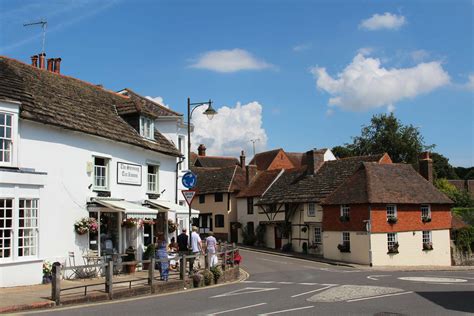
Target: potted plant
[(393, 249), (47, 272), (197, 278), (217, 273), (172, 226), (344, 218), (427, 246), (85, 225), (129, 223), (148, 254), (130, 258), (208, 276), (344, 247), (392, 219), (426, 219)]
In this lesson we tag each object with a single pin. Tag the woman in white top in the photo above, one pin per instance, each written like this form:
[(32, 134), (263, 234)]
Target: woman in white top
[(211, 249)]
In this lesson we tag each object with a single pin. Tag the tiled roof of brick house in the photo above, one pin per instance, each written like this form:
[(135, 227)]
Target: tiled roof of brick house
[(260, 183), (386, 183), (215, 180), (264, 160), (295, 185), (72, 104), (144, 105), (215, 161)]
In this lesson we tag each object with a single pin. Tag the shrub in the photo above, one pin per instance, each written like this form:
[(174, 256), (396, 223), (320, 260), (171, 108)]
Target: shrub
[(216, 272), (208, 276), (149, 252), (287, 247), (197, 279), (305, 248), (344, 248), (464, 239), (248, 236)]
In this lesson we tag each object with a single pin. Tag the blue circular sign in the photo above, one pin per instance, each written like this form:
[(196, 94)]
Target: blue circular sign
[(189, 180)]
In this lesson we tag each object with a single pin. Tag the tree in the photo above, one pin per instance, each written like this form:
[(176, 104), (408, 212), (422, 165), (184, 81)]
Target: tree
[(387, 134), (442, 168), (461, 198), (342, 152)]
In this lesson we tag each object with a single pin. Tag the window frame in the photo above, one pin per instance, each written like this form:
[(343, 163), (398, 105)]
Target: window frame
[(4, 228), (395, 212), (315, 234), (392, 239), (430, 237), (345, 210), (216, 222), (34, 208), (250, 208), (311, 209), (155, 174), (218, 194), (202, 198), (106, 167), (428, 215), (147, 125), (346, 241)]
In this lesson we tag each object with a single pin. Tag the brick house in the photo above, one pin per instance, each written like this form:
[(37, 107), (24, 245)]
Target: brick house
[(387, 214)]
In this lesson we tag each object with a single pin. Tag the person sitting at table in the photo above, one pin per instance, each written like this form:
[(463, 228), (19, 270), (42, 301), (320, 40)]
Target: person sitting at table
[(162, 266), (173, 246)]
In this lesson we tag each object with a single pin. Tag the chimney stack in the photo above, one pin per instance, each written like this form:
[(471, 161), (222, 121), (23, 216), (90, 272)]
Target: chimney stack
[(314, 161), (57, 65), (50, 64), (426, 166), (202, 150), (34, 61), (42, 57), (242, 159), (250, 173)]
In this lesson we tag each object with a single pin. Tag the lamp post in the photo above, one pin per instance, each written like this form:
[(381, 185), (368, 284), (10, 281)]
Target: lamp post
[(209, 112)]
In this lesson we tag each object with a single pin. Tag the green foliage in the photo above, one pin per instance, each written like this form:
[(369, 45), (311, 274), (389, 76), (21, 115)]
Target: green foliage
[(197, 277), (466, 213), (465, 173), (460, 198), (442, 168), (208, 276), (149, 252), (261, 234), (216, 272), (342, 152), (248, 236), (464, 239)]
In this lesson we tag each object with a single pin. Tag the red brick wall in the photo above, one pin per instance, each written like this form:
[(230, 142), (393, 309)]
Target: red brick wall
[(409, 218), (281, 161), (358, 214), (385, 159)]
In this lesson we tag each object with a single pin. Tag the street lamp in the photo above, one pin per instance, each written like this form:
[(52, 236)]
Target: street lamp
[(209, 112)]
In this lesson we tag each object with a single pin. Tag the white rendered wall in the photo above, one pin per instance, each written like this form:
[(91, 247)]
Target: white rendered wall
[(243, 217), (359, 247), (410, 250)]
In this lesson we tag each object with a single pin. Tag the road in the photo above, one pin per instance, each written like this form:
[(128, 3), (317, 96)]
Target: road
[(282, 285)]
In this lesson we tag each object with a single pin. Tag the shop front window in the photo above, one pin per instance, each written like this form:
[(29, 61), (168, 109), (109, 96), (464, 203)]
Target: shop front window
[(109, 233)]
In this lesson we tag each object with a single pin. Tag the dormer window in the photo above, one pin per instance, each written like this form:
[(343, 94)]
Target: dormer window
[(147, 127)]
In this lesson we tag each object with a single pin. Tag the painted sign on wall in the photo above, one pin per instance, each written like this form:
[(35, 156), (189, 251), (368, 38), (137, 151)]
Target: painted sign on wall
[(129, 173)]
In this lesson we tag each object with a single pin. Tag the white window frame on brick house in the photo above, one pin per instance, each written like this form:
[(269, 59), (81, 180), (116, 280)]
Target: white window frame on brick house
[(345, 210), (311, 209), (317, 236), (426, 237), (391, 210), (153, 179), (346, 238), (22, 224), (101, 175), (147, 127), (425, 211), (392, 239), (9, 133)]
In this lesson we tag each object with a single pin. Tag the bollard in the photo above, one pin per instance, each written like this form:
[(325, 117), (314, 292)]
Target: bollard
[(182, 267), (56, 283), (109, 273), (151, 275)]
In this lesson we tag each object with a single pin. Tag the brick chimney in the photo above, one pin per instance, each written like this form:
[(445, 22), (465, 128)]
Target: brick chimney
[(250, 173), (242, 159), (34, 61), (314, 161), (57, 65), (50, 64), (42, 57), (202, 150), (426, 166)]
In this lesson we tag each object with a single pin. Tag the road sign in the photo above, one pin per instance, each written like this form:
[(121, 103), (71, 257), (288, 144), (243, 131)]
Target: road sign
[(189, 180), (189, 195)]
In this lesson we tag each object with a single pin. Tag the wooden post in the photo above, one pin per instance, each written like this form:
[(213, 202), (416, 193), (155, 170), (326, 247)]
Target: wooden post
[(109, 273), (225, 260), (56, 283), (206, 261), (182, 267), (151, 275)]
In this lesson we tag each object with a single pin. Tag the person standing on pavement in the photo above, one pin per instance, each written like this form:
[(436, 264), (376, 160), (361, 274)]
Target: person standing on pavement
[(183, 242), (211, 249), (196, 248)]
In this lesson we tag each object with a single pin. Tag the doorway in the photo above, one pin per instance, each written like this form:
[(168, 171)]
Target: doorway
[(277, 237)]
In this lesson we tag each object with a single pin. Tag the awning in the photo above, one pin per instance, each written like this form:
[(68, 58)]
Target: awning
[(166, 206), (130, 209)]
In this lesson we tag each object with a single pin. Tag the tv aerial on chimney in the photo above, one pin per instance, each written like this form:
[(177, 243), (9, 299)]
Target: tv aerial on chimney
[(253, 144), (43, 24)]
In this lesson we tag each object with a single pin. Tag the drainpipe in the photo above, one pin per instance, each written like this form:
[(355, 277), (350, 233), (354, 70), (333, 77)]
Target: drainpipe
[(369, 228), (176, 172)]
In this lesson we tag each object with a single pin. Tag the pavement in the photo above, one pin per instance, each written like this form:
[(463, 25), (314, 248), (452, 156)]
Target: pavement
[(287, 285)]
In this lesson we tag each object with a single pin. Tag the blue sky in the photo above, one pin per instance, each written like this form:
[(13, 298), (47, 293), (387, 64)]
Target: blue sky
[(295, 74)]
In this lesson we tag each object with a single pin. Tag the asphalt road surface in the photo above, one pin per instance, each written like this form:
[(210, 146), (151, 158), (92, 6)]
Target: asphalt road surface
[(287, 286)]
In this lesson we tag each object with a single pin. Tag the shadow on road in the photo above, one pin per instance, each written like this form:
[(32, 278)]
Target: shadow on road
[(456, 300)]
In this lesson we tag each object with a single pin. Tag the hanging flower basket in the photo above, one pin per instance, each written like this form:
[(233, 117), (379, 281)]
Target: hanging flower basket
[(129, 223), (172, 226), (304, 229), (392, 220), (85, 225), (426, 219)]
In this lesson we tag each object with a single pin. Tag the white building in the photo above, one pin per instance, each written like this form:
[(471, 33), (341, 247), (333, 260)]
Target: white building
[(72, 150)]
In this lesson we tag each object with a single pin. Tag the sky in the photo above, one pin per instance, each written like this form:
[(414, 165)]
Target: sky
[(290, 74)]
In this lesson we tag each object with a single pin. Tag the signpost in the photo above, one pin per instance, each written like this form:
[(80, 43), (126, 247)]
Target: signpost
[(189, 196), (189, 181)]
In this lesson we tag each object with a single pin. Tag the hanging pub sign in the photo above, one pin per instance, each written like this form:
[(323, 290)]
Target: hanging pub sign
[(128, 173)]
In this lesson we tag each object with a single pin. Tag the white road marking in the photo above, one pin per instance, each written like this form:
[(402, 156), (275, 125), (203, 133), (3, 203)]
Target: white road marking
[(308, 283), (266, 282), (286, 282), (287, 310), (317, 290), (238, 309), (248, 282), (378, 296), (275, 261), (374, 277), (246, 290), (432, 280)]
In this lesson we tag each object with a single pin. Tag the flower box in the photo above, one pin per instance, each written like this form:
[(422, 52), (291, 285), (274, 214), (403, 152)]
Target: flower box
[(427, 246), (392, 220), (344, 247), (344, 218), (426, 219)]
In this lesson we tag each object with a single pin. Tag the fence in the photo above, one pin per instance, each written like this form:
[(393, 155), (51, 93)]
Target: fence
[(225, 260)]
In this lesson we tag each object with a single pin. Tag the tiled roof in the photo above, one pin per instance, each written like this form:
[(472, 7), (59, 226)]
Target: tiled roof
[(295, 185), (263, 160), (215, 162), (297, 159), (214, 180), (72, 104), (144, 105), (260, 183), (386, 183)]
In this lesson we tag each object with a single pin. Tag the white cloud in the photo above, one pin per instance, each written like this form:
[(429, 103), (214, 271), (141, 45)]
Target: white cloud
[(364, 84), (230, 61), (470, 83), (231, 130), (419, 55), (366, 51), (383, 21), (158, 100), (301, 47)]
